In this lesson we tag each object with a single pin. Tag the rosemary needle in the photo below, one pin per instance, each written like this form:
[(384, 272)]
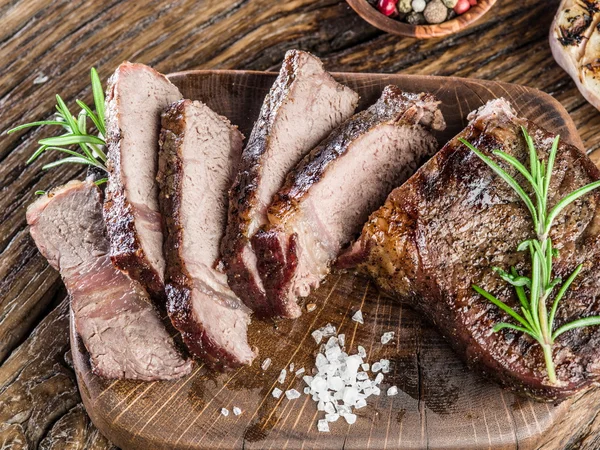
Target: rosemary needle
[(534, 318), (90, 147)]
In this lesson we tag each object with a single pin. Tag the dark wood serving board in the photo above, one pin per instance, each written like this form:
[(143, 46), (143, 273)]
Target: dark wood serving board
[(441, 404)]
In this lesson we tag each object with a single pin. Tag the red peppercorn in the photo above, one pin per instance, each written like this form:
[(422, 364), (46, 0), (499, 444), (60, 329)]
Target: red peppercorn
[(462, 6), (387, 7)]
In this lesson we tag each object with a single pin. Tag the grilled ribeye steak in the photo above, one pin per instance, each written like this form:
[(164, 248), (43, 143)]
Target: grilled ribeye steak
[(112, 313), (199, 155), (449, 224), (136, 96), (328, 197), (303, 106)]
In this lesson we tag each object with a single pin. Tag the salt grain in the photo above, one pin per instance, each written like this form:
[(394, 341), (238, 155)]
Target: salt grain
[(365, 366), (300, 371), (266, 364), (387, 337), (378, 378), (392, 391), (360, 403), (317, 336), (323, 426), (292, 394), (361, 351), (291, 367), (376, 367), (282, 376), (277, 392), (224, 412), (342, 339), (332, 417), (350, 418), (237, 411), (385, 365), (358, 317), (362, 376), (40, 79)]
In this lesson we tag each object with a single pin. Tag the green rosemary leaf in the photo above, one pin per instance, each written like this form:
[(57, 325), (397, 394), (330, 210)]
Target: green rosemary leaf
[(532, 152), (69, 139), (579, 323), (64, 150), (73, 160), (101, 181), (40, 192), (500, 304), (35, 124), (551, 159), (66, 114), (98, 94), (36, 154), (509, 278), (503, 325), (81, 120), (524, 245), (97, 123), (520, 167), (560, 294), (506, 177), (569, 199)]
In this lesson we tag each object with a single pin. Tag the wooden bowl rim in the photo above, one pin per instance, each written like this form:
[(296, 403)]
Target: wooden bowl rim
[(378, 20)]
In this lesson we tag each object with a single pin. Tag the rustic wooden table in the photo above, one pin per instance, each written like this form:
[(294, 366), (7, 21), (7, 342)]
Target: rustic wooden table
[(47, 47)]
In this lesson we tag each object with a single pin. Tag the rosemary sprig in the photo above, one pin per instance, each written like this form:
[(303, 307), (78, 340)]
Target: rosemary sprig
[(534, 318), (90, 147)]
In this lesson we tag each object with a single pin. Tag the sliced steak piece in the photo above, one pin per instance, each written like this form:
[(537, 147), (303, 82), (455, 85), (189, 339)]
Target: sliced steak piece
[(303, 106), (446, 227), (136, 96), (112, 313), (328, 197), (199, 155)]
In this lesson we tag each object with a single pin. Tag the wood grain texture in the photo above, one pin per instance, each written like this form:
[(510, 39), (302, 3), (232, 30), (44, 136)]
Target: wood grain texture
[(61, 39), (441, 403), (378, 20)]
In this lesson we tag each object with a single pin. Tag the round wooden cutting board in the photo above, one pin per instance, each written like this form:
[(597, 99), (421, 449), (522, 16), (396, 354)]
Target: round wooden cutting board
[(440, 404)]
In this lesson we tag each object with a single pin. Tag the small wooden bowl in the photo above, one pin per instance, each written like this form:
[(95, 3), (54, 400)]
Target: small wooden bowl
[(378, 20)]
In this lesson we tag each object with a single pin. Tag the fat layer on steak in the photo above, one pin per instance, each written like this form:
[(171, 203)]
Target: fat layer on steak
[(199, 155), (136, 96), (454, 220), (328, 197), (303, 106), (112, 313)]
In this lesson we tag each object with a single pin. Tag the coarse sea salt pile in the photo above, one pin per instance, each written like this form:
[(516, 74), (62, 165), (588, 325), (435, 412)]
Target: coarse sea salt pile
[(341, 382)]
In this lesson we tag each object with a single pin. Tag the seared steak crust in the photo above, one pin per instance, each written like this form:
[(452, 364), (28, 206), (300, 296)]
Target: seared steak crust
[(132, 218), (112, 313), (302, 83), (356, 165), (200, 304), (446, 227)]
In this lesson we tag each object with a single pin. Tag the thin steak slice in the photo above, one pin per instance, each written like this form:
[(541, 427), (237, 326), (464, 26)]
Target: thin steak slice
[(328, 197), (303, 106), (136, 96), (199, 155), (112, 313), (447, 226)]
